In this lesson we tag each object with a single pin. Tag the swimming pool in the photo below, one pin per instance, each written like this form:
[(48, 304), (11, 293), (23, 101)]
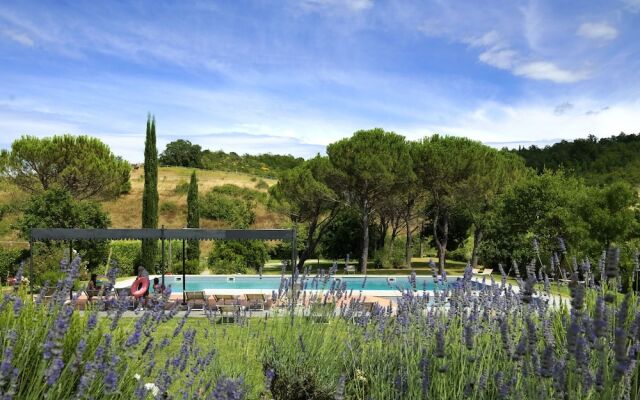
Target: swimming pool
[(389, 285)]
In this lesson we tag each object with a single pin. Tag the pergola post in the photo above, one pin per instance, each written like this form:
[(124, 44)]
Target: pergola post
[(184, 284), (162, 256)]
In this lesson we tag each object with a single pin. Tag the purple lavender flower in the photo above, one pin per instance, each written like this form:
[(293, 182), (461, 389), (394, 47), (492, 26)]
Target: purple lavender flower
[(228, 389), (55, 369)]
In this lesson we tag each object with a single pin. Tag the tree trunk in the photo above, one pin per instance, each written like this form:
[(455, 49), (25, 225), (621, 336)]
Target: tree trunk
[(408, 250), (477, 238), (441, 239), (365, 242)]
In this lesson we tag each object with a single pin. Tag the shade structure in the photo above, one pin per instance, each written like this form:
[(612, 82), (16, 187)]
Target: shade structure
[(71, 234)]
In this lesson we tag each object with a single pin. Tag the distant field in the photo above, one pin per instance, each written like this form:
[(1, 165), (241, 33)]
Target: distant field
[(126, 211)]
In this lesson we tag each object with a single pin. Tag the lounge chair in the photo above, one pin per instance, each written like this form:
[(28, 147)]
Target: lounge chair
[(350, 269), (475, 271), (194, 298), (486, 271), (228, 311), (256, 301)]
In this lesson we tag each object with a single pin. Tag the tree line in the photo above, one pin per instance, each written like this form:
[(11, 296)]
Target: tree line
[(182, 153), (598, 161), (453, 190)]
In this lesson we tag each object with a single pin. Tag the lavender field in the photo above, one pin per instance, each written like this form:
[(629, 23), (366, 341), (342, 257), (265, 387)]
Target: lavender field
[(499, 342)]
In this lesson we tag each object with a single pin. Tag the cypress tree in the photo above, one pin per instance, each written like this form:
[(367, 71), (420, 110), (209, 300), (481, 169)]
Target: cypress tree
[(193, 217), (150, 195)]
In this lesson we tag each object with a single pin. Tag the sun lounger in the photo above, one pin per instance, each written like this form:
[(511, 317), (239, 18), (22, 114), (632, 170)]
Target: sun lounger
[(475, 271), (256, 301), (350, 269), (486, 271), (48, 294), (196, 298)]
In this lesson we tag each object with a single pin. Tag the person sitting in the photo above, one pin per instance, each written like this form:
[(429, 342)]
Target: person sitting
[(92, 286), (142, 273)]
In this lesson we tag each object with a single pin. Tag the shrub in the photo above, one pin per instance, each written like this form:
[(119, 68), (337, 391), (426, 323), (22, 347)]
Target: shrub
[(215, 206), (128, 256), (182, 188), (391, 256), (9, 262), (262, 185), (238, 192), (191, 267), (238, 255), (168, 208)]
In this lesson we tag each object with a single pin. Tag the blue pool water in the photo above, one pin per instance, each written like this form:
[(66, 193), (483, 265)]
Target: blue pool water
[(194, 283)]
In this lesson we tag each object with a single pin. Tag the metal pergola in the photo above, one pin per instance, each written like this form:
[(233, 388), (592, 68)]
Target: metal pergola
[(162, 234)]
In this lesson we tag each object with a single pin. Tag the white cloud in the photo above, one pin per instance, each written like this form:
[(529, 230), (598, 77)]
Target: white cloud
[(597, 31), (351, 5), (499, 54), (632, 5), (503, 59), (544, 70), (499, 123), (19, 37)]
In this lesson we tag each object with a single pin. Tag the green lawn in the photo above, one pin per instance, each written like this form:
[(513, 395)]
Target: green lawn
[(420, 265)]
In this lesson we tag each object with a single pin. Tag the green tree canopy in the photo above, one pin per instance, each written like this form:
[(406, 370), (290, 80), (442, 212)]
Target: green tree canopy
[(193, 217), (80, 164), (182, 153), (451, 169), (372, 164), (305, 195), (150, 196), (56, 208)]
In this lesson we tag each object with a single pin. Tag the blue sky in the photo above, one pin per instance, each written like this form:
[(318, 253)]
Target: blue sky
[(292, 76)]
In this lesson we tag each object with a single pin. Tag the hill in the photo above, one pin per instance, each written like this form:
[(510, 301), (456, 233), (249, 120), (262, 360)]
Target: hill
[(125, 211), (599, 162)]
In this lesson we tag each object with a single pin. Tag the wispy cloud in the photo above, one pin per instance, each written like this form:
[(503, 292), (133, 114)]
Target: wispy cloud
[(19, 37), (544, 70), (597, 31), (562, 108), (350, 5)]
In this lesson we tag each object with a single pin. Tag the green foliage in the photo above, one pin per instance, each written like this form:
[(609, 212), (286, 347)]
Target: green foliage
[(56, 208), (128, 255), (236, 212), (343, 236), (390, 256), (168, 207), (9, 262), (150, 195), (304, 194), (181, 188), (243, 193), (80, 164), (262, 185), (597, 161), (181, 153), (265, 165), (238, 256), (193, 217), (191, 267), (371, 164)]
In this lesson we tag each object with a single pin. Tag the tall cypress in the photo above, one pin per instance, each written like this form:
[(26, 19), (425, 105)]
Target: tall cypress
[(150, 195), (193, 217)]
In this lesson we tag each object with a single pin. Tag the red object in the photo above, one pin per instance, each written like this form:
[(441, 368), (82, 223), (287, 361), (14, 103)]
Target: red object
[(139, 287)]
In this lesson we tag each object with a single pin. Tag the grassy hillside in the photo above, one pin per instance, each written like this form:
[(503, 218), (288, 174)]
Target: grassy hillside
[(125, 212)]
